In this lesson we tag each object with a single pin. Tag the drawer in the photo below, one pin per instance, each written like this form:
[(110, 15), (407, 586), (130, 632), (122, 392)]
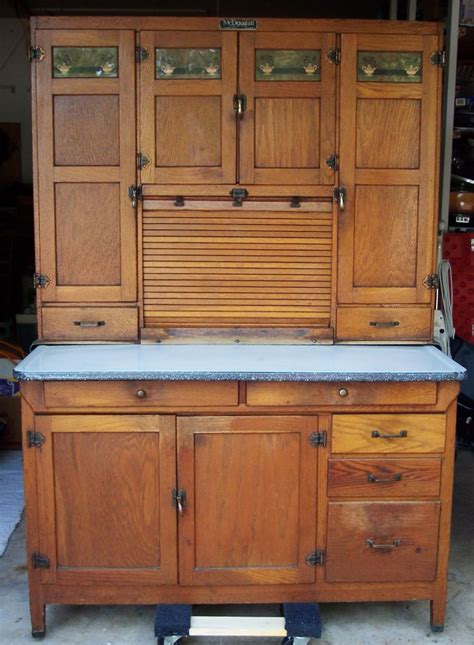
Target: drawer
[(341, 393), (384, 323), (386, 433), (90, 323), (124, 394), (382, 541), (384, 477)]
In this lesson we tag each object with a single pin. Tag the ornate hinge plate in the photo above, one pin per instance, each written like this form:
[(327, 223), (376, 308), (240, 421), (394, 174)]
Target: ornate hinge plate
[(332, 162), (334, 56), (36, 54), (431, 281), (315, 558), (40, 561), (35, 439), (438, 58), (317, 439), (40, 281), (141, 54), (143, 160)]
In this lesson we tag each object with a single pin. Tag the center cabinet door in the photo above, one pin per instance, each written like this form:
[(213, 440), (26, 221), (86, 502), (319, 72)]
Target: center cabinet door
[(250, 513), (104, 495), (287, 131), (188, 123)]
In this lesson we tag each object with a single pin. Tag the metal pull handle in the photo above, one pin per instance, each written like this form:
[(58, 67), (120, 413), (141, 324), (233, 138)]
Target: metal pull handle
[(240, 105), (373, 479), (393, 545), (340, 194), (179, 500), (380, 323), (82, 323), (376, 434), (141, 394)]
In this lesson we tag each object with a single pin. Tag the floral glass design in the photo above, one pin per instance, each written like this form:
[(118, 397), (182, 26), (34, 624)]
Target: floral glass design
[(389, 67), (287, 65), (85, 62), (176, 63)]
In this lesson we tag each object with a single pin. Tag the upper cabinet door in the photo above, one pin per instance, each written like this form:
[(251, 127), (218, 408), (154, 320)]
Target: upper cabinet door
[(287, 131), (389, 127), (188, 122), (86, 161)]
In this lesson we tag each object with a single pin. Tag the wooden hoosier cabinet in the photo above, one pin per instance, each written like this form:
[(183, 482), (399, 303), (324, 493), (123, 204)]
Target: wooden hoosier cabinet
[(232, 202)]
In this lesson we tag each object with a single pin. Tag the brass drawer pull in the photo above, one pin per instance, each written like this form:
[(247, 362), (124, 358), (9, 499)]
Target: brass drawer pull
[(141, 394), (373, 479), (376, 434), (374, 545), (83, 324), (388, 323)]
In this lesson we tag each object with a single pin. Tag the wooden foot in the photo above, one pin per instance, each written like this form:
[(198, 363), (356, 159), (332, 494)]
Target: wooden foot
[(438, 612), (38, 619)]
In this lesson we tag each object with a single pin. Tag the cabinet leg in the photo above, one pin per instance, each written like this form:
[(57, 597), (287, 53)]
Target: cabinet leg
[(38, 618), (438, 612)]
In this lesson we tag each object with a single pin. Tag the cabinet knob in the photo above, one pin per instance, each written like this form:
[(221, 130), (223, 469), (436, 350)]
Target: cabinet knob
[(343, 391), (141, 394)]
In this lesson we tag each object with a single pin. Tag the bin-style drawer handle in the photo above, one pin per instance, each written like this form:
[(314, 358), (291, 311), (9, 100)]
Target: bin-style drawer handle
[(374, 545), (373, 479), (82, 323), (388, 323), (376, 434)]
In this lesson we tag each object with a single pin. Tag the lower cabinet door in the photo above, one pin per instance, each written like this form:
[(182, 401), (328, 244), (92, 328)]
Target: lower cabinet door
[(382, 541), (250, 511), (104, 491)]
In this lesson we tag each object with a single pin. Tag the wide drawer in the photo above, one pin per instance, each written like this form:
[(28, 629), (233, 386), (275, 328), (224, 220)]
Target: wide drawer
[(387, 433), (384, 477), (90, 323), (382, 541), (384, 323), (124, 394), (423, 393)]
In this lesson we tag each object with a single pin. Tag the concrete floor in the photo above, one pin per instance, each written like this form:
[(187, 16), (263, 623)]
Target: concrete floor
[(354, 624)]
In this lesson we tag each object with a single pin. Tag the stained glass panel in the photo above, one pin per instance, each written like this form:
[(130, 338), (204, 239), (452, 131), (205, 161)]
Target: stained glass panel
[(187, 63), (389, 67), (287, 65), (85, 62)]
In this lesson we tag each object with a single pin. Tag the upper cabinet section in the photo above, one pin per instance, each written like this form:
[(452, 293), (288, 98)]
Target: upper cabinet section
[(85, 130), (228, 107)]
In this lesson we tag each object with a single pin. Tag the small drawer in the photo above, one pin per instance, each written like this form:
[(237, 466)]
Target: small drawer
[(344, 394), (388, 433), (129, 394), (384, 323), (384, 477), (382, 541), (90, 323)]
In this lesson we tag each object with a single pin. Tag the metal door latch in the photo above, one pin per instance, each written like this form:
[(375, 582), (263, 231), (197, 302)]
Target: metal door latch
[(240, 105), (238, 195)]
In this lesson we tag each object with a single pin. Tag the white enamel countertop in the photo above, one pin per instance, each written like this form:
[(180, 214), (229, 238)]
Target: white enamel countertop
[(234, 362)]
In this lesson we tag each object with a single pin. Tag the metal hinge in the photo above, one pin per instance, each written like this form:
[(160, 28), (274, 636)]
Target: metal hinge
[(35, 439), (333, 162), (318, 439), (40, 281), (431, 281), (438, 58), (141, 54), (334, 56), (135, 194), (40, 561), (143, 160), (36, 54), (238, 195), (315, 559)]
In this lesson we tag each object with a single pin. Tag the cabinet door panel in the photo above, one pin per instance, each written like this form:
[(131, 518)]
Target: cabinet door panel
[(105, 498), (288, 129), (188, 124), (389, 119), (251, 499), (86, 161)]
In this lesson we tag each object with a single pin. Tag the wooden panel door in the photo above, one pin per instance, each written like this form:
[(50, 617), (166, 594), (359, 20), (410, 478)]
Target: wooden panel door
[(104, 494), (287, 132), (250, 513), (85, 130), (389, 126), (188, 123)]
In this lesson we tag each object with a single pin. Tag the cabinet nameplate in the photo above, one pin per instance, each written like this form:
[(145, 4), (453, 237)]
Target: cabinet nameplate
[(237, 24)]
